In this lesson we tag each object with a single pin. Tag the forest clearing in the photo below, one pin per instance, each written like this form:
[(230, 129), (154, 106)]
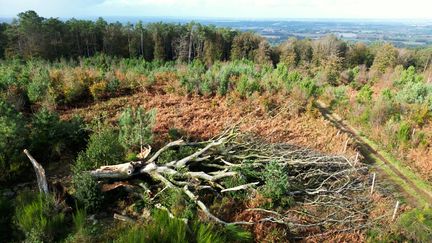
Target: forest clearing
[(193, 133)]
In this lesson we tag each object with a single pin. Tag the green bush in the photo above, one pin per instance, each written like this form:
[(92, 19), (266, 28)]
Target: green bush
[(364, 96), (309, 86), (13, 134), (409, 76), (415, 93), (40, 90), (191, 80), (103, 148), (338, 96), (136, 128), (416, 225), (87, 191), (51, 138), (383, 109), (404, 133), (276, 184), (38, 219), (246, 86)]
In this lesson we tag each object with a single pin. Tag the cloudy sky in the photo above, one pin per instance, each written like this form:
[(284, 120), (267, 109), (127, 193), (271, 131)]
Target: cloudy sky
[(250, 9)]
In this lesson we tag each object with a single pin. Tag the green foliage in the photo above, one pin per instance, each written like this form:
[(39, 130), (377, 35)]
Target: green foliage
[(309, 86), (404, 133), (416, 225), (51, 138), (412, 226), (246, 86), (37, 217), (234, 181), (364, 96), (162, 229), (409, 76), (136, 128), (13, 135), (383, 109), (415, 93), (331, 69), (178, 204), (79, 220), (338, 96), (38, 88), (385, 58), (276, 184), (103, 148), (87, 191), (245, 46)]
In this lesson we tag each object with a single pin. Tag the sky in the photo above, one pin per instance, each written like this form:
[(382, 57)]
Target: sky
[(238, 9)]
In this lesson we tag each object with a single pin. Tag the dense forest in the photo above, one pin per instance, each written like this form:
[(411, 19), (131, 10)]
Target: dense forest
[(61, 88)]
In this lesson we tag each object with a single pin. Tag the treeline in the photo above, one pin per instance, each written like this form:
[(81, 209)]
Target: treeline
[(31, 36)]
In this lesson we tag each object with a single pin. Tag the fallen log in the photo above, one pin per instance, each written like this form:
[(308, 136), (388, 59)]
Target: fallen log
[(40, 173), (326, 183)]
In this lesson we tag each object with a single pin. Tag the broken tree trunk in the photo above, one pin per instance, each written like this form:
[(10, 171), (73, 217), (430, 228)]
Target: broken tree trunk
[(40, 173), (326, 183)]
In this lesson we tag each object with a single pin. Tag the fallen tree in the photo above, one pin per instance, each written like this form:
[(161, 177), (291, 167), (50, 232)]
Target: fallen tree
[(330, 191)]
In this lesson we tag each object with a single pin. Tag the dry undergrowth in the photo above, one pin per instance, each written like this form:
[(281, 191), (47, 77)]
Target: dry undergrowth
[(205, 117)]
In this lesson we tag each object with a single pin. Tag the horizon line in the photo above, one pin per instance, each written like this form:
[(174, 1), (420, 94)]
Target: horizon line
[(336, 19)]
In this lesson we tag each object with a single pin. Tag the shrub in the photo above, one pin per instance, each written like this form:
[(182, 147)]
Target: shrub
[(246, 86), (136, 127), (364, 96), (191, 80), (338, 95), (310, 87), (385, 58), (87, 191), (37, 218), (420, 114), (74, 86), (37, 89), (383, 109), (99, 90), (103, 148), (51, 138), (13, 135), (404, 133), (409, 76), (291, 79), (415, 93), (177, 202), (276, 184), (416, 225)]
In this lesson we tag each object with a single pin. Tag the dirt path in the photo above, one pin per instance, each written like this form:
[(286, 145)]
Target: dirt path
[(415, 191)]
